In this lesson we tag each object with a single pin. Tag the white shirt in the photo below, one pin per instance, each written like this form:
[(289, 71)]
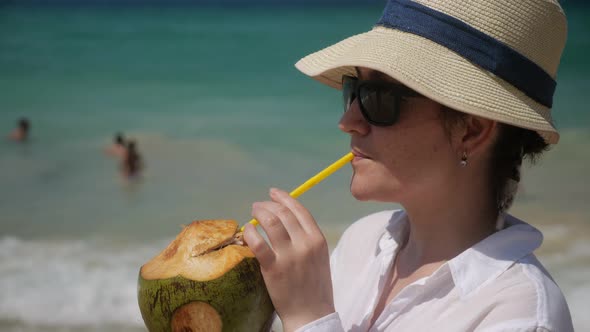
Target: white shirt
[(496, 285)]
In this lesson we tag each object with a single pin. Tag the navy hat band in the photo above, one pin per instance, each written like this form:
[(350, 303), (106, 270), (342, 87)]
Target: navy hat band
[(473, 45)]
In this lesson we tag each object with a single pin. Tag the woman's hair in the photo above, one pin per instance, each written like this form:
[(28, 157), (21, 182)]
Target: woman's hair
[(513, 144)]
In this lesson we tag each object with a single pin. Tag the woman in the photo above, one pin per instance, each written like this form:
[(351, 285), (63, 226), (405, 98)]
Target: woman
[(443, 101)]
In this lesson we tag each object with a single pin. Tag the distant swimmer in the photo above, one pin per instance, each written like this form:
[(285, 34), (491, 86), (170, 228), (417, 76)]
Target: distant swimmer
[(132, 163), (21, 132), (118, 148)]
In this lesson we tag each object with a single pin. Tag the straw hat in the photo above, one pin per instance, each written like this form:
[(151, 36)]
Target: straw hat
[(493, 58)]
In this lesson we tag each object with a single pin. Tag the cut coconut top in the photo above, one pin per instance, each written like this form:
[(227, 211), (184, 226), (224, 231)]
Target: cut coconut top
[(203, 250)]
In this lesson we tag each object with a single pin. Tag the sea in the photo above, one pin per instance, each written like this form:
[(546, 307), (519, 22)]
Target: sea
[(220, 115)]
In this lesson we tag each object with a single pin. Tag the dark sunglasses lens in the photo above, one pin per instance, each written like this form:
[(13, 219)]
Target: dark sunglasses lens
[(379, 105), (348, 87)]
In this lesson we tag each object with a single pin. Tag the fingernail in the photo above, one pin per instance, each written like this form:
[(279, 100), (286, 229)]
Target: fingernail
[(273, 191)]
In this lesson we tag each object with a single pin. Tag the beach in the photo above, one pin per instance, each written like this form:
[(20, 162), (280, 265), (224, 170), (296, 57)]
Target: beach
[(220, 115)]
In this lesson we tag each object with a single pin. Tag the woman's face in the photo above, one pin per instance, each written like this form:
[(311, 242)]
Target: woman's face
[(409, 160)]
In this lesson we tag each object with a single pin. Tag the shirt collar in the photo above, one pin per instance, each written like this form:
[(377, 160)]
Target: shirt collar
[(395, 233), (484, 261), (489, 258)]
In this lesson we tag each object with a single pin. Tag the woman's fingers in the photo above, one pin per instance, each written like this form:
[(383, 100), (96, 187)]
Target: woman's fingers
[(286, 216), (261, 249), (272, 224), (301, 214), (287, 224)]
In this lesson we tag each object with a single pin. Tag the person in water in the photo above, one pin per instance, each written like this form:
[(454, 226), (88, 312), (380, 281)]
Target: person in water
[(21, 132), (118, 147), (132, 163), (443, 100)]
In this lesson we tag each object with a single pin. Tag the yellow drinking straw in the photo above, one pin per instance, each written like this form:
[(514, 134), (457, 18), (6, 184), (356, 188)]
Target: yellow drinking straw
[(315, 180)]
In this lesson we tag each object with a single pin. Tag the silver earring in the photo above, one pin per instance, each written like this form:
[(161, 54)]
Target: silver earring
[(463, 162)]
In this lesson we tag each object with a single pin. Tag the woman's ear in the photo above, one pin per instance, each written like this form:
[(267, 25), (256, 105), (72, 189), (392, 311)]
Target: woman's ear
[(477, 134)]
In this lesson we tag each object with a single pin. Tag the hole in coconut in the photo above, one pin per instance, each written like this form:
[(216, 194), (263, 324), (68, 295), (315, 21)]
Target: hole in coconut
[(237, 239)]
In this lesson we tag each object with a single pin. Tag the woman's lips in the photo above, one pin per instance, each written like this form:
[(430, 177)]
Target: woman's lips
[(358, 155)]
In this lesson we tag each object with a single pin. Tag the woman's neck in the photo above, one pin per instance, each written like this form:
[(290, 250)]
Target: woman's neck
[(447, 225)]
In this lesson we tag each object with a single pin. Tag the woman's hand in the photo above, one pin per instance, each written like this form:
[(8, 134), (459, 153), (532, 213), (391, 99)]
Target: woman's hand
[(296, 269)]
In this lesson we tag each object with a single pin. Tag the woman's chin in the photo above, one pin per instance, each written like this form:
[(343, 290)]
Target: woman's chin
[(362, 192), (372, 191)]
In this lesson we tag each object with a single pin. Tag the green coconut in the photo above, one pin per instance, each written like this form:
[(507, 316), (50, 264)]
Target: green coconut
[(205, 280)]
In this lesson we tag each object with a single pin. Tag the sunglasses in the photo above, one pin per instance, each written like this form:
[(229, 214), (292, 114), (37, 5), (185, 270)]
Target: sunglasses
[(379, 101)]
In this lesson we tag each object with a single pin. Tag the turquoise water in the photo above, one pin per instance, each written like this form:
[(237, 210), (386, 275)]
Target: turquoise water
[(220, 115)]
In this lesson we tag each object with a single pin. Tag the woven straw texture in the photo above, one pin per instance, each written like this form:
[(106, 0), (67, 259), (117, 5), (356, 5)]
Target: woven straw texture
[(534, 28)]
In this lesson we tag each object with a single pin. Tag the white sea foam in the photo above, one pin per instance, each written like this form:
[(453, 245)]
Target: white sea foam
[(70, 283)]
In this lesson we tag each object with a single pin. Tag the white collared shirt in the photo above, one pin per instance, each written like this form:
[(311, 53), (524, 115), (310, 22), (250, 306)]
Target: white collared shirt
[(496, 285)]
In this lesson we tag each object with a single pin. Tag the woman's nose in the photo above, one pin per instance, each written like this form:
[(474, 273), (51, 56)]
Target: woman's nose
[(352, 121)]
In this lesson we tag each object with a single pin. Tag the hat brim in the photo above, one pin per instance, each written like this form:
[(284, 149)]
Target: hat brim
[(434, 71)]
